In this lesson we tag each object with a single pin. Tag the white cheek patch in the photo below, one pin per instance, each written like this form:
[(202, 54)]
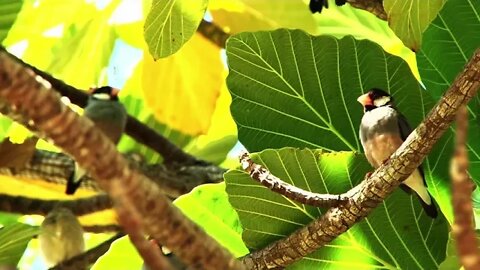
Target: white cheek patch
[(101, 96), (379, 102)]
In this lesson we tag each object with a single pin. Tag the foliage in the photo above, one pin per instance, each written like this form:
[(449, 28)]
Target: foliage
[(13, 241), (288, 91), (400, 219)]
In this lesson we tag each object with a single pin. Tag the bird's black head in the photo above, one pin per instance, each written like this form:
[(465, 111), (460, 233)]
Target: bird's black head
[(375, 98), (104, 93)]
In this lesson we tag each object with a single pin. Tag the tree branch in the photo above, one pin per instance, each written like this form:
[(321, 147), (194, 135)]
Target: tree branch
[(96, 153), (173, 179), (136, 129), (463, 228), (213, 32), (266, 178), (29, 206), (379, 185)]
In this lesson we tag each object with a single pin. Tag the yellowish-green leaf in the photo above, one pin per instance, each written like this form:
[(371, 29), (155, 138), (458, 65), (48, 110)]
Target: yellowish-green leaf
[(182, 90), (13, 241), (253, 15), (171, 23), (121, 255), (409, 18)]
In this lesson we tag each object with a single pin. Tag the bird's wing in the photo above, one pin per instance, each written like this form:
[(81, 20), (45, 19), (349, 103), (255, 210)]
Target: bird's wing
[(405, 130)]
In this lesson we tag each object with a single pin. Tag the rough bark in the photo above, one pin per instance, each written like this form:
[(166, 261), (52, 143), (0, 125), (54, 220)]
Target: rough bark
[(275, 184), (79, 138), (380, 184)]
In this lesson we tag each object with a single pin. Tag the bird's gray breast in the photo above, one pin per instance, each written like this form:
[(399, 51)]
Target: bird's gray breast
[(381, 120)]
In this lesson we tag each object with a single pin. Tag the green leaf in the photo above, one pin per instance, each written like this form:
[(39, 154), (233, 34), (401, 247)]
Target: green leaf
[(14, 239), (116, 256), (171, 23), (8, 14), (409, 18), (396, 235), (448, 44), (208, 206), (8, 218), (292, 89)]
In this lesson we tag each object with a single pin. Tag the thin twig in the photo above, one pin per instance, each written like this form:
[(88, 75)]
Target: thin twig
[(266, 178), (463, 227)]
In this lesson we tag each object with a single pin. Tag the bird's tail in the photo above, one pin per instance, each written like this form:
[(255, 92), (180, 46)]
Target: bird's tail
[(75, 180), (430, 209)]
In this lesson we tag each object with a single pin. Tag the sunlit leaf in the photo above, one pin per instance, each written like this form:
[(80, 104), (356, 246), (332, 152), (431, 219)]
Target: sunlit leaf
[(116, 256), (409, 18), (208, 206), (8, 14), (252, 15), (38, 27), (292, 89), (182, 90), (397, 234), (13, 241), (171, 23), (448, 43)]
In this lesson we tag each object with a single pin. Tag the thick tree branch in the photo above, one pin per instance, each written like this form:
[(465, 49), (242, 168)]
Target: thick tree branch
[(266, 178), (132, 225), (173, 179), (84, 260), (463, 228), (96, 153), (379, 185), (136, 129), (29, 206)]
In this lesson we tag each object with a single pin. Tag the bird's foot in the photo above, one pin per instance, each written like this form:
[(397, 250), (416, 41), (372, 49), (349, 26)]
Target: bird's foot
[(368, 174), (386, 161)]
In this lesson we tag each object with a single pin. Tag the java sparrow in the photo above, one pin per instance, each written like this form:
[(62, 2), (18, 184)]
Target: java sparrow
[(382, 130), (61, 236), (109, 115)]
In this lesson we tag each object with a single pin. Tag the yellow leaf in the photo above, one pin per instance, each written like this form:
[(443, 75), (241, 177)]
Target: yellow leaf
[(182, 90)]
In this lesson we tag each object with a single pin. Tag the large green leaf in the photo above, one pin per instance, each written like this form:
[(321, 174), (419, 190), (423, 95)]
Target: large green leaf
[(8, 14), (208, 206), (448, 43), (292, 89), (409, 18), (397, 234), (13, 241), (171, 23)]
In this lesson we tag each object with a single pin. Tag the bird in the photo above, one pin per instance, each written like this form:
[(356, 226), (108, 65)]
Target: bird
[(109, 115), (317, 5), (60, 237), (382, 130)]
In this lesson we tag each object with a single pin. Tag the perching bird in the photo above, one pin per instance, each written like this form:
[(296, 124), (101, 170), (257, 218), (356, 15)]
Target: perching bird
[(382, 130), (317, 5), (61, 236), (109, 115)]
